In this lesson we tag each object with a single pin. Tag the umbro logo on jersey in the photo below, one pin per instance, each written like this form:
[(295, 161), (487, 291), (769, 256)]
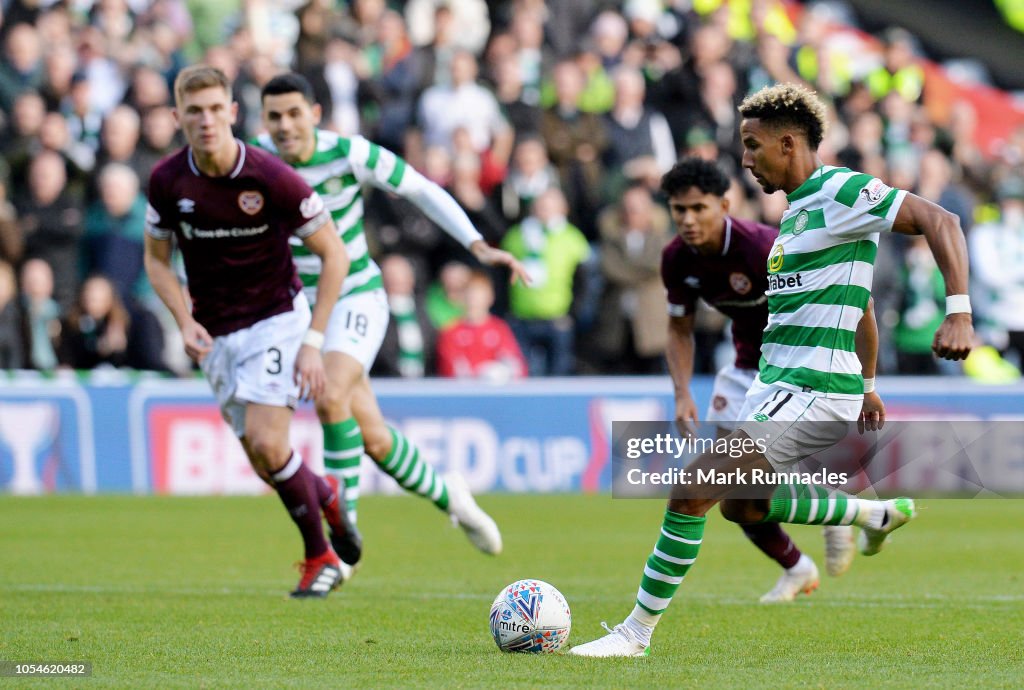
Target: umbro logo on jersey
[(692, 281), (186, 206)]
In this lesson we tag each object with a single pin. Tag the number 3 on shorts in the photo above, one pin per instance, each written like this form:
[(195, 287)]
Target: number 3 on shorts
[(273, 361)]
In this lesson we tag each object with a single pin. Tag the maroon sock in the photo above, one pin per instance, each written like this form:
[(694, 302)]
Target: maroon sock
[(774, 542), (323, 490), (299, 494)]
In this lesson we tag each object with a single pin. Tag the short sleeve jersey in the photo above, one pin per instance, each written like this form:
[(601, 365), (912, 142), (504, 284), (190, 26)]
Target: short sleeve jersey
[(733, 282), (819, 280), (233, 233)]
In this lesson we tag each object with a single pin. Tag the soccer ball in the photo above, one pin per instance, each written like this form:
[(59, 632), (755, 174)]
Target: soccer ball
[(530, 616)]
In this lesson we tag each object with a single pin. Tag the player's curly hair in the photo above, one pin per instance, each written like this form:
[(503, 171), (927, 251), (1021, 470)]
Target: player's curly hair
[(789, 105), (695, 172)]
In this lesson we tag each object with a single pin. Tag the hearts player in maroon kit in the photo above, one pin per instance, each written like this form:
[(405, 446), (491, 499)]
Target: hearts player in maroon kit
[(231, 209), (723, 260)]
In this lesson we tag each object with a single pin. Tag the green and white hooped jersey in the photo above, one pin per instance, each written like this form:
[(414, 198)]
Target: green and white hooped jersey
[(337, 171), (819, 280)]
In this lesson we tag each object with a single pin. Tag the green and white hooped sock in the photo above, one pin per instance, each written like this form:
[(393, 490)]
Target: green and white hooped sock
[(808, 504), (674, 553), (343, 451), (412, 472)]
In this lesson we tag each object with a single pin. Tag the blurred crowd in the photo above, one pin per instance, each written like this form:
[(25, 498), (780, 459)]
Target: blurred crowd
[(549, 122)]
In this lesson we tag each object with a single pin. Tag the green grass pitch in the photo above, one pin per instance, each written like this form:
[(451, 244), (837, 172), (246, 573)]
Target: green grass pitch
[(190, 592)]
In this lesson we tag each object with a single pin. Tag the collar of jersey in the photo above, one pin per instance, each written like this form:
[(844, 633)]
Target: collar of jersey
[(799, 192), (234, 173)]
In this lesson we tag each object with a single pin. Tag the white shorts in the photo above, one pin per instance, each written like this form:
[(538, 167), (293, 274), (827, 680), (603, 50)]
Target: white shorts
[(357, 326), (771, 413), (729, 395), (257, 364)]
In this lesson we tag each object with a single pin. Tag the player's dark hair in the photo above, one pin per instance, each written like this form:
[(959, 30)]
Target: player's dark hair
[(290, 82), (695, 172), (788, 105)]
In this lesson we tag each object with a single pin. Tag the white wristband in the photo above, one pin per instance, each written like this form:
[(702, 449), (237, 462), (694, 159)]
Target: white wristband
[(958, 304), (313, 338), (869, 385)]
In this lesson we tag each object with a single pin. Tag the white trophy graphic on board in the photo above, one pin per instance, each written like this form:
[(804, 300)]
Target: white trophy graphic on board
[(26, 428)]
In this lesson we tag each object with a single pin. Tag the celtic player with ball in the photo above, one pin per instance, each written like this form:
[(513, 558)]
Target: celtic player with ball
[(809, 370), (723, 260)]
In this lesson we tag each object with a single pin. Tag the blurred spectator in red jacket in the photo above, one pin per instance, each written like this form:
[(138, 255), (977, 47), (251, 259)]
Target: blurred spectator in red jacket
[(479, 345)]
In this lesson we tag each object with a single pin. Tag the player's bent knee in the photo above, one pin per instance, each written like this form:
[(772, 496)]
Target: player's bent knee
[(741, 511), (377, 442), (268, 450)]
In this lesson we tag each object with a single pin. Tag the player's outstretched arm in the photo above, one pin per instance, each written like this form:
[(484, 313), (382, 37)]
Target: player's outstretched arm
[(679, 355), (872, 414), (309, 365), (157, 260), (946, 240), (440, 207)]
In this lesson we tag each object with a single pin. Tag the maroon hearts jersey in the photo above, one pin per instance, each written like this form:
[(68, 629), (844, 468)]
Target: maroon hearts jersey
[(233, 233), (732, 282)]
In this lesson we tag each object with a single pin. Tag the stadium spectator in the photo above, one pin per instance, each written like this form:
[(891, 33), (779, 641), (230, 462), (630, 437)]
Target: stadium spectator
[(21, 141), (79, 158), (51, 223), (444, 297), (552, 250), (104, 329), (148, 89), (115, 231), (899, 72), (937, 181), (633, 318), (59, 67), (470, 22), (12, 337), (466, 188), (84, 120), (408, 347), (397, 87), (465, 104), (479, 345), (42, 315), (576, 143), (96, 329), (640, 144), (12, 243), (159, 139), (997, 266), (530, 174), (106, 83), (119, 141), (922, 294), (519, 106), (22, 67)]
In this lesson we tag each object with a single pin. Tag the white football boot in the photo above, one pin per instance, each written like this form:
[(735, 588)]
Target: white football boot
[(839, 549), (479, 527), (620, 641), (801, 578)]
